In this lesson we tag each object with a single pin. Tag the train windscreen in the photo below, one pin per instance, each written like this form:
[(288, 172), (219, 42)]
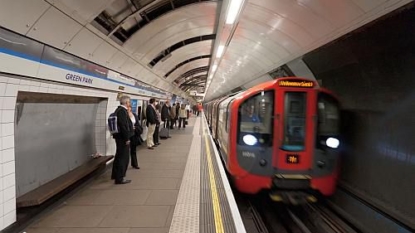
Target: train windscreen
[(294, 121), (328, 115), (256, 120)]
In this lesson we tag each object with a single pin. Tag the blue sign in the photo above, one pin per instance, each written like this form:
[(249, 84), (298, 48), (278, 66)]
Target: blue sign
[(134, 105)]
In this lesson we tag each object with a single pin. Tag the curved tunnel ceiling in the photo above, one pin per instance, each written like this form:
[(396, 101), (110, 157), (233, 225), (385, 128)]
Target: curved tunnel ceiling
[(127, 35)]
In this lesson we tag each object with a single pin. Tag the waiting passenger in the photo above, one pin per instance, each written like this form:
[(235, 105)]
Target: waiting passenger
[(122, 140), (136, 138), (165, 114), (173, 116), (182, 116), (156, 137), (151, 116)]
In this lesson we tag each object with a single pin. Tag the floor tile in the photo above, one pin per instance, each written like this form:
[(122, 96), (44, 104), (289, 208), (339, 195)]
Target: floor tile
[(136, 216), (162, 197), (75, 216), (110, 197)]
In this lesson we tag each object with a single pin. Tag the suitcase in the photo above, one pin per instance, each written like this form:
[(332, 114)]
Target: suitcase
[(164, 133)]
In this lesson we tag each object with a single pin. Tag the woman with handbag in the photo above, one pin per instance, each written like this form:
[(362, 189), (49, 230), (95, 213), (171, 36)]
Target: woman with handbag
[(135, 140)]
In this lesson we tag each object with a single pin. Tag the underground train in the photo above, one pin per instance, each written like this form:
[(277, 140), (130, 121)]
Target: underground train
[(281, 136)]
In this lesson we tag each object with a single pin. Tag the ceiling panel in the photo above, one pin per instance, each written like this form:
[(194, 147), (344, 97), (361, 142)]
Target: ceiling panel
[(337, 12), (298, 14), (276, 22), (84, 44), (182, 54), (81, 10), (182, 19), (150, 50), (189, 66), (103, 53), (32, 9), (54, 28)]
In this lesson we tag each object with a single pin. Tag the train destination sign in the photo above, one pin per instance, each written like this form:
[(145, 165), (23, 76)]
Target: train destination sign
[(296, 83)]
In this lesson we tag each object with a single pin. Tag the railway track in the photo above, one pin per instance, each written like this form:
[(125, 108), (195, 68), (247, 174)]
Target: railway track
[(262, 215)]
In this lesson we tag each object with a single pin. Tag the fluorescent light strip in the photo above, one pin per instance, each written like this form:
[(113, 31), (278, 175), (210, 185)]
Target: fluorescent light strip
[(220, 51), (233, 11)]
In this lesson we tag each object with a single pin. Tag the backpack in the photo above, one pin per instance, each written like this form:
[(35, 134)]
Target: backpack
[(113, 123)]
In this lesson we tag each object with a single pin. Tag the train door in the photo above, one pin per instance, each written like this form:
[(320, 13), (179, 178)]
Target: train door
[(294, 127)]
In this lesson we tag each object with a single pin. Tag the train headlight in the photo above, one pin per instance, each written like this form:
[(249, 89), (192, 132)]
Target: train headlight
[(249, 140), (332, 142)]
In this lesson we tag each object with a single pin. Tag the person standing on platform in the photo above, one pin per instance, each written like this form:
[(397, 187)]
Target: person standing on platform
[(135, 140), (165, 114), (156, 137), (122, 140), (173, 116), (151, 123), (182, 116)]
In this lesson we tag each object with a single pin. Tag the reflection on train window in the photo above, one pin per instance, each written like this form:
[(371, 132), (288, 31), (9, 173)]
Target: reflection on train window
[(294, 121), (255, 118), (328, 115)]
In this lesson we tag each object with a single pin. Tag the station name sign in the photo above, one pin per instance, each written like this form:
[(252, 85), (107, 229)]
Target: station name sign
[(295, 83)]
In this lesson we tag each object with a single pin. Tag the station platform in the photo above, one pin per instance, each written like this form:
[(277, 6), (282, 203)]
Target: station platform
[(181, 187)]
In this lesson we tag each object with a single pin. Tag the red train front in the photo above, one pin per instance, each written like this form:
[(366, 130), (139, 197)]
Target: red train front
[(281, 136)]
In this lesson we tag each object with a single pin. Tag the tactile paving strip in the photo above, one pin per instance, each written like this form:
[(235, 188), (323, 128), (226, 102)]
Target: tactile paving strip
[(207, 221), (186, 213)]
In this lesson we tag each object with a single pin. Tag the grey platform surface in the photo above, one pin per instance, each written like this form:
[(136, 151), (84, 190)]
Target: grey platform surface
[(173, 180)]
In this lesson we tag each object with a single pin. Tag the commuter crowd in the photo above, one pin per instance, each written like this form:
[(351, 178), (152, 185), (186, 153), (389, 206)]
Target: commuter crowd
[(126, 128)]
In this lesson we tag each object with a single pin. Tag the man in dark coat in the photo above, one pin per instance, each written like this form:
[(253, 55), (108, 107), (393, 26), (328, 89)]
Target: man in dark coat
[(165, 114), (122, 140)]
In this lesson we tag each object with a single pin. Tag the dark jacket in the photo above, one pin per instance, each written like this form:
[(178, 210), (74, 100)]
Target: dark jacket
[(165, 113), (136, 138), (151, 115), (125, 125)]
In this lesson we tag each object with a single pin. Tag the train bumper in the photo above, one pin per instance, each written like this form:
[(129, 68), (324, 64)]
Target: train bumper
[(252, 184)]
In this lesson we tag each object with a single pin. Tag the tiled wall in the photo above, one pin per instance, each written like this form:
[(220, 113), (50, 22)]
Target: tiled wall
[(9, 87), (100, 127)]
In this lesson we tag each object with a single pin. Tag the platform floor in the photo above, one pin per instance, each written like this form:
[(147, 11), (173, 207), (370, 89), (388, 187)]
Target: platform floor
[(157, 192)]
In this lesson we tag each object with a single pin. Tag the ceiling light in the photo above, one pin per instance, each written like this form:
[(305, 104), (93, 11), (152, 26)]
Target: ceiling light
[(233, 11), (214, 68), (220, 51)]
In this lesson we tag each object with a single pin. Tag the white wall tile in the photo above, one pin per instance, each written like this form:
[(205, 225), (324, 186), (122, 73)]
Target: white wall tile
[(9, 180), (43, 89), (24, 82), (7, 116), (7, 155), (11, 90), (9, 102), (9, 218), (24, 88), (7, 129), (34, 88), (9, 168), (9, 193), (2, 88), (1, 209), (14, 80), (9, 206), (7, 142), (1, 223)]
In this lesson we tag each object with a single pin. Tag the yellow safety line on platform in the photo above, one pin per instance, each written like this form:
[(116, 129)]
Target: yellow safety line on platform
[(215, 200)]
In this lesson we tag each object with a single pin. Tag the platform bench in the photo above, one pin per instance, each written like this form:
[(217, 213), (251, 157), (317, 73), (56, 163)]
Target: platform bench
[(50, 189)]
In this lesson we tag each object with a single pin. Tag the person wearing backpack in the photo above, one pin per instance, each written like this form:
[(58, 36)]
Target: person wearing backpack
[(122, 134)]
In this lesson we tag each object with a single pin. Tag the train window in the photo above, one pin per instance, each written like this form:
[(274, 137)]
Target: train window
[(294, 121), (328, 115), (255, 116), (228, 116)]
